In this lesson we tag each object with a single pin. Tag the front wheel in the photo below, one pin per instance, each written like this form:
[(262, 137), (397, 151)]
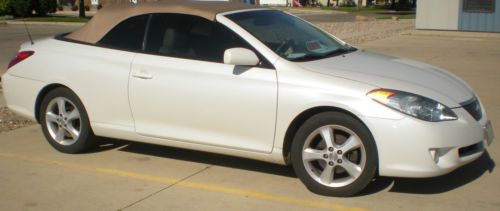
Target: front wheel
[(65, 123), (334, 154)]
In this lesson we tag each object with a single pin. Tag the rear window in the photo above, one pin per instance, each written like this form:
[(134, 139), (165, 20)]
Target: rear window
[(127, 35)]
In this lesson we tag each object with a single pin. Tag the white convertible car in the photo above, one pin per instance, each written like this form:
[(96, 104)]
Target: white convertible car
[(252, 82)]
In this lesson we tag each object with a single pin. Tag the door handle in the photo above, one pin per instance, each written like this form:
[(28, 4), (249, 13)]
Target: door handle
[(142, 74)]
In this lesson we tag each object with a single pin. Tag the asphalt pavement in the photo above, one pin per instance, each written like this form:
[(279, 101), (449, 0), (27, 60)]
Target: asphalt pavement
[(123, 175)]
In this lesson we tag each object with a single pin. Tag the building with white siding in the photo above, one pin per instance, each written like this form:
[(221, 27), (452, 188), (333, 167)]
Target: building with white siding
[(461, 15)]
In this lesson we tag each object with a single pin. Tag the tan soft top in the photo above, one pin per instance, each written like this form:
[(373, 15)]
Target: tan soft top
[(110, 16)]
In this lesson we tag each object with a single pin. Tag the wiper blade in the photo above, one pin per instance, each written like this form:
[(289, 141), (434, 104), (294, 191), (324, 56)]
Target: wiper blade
[(309, 57)]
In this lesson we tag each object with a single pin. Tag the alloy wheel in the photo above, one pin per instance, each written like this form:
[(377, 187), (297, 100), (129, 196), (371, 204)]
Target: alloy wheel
[(63, 121), (334, 156)]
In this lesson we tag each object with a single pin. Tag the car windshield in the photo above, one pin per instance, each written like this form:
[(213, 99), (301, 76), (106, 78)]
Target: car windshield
[(288, 36)]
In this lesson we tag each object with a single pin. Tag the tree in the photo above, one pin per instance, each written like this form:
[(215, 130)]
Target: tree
[(4, 7), (401, 4), (22, 8), (392, 3), (81, 8), (42, 7)]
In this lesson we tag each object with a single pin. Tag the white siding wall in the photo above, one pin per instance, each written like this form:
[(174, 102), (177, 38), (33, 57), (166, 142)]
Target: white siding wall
[(484, 22), (438, 14)]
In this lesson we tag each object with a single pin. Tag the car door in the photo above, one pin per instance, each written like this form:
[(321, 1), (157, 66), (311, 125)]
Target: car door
[(180, 89), (101, 73)]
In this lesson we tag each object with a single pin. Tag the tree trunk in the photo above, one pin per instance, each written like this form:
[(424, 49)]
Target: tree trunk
[(338, 3), (81, 8), (328, 3)]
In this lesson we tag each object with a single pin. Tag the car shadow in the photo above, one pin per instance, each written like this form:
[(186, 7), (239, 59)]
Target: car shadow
[(460, 177), (207, 158), (435, 185), (106, 144)]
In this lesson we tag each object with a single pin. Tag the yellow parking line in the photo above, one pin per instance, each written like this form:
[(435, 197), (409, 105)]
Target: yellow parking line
[(201, 186)]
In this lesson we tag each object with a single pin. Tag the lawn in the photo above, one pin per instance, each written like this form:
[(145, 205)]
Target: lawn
[(55, 19), (360, 9), (409, 16), (343, 9)]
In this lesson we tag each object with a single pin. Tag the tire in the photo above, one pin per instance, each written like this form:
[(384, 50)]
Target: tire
[(341, 167), (68, 131)]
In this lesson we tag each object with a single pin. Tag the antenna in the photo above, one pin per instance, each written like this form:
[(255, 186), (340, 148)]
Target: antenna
[(27, 31)]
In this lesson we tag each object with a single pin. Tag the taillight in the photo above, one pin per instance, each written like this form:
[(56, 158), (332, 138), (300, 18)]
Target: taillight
[(22, 55)]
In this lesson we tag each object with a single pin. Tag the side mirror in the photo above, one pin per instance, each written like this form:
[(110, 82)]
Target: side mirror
[(240, 56)]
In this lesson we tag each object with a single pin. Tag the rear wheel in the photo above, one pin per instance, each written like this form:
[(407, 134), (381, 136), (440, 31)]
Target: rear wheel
[(334, 154), (65, 123)]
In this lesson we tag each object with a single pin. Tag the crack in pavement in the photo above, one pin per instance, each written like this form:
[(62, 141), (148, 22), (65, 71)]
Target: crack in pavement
[(167, 187)]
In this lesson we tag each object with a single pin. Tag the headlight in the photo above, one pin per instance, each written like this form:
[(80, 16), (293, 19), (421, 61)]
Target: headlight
[(414, 105)]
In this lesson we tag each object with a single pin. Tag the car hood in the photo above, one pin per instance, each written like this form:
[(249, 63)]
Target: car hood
[(395, 73)]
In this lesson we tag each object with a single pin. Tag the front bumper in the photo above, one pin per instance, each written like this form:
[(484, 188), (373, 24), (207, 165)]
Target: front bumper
[(413, 148)]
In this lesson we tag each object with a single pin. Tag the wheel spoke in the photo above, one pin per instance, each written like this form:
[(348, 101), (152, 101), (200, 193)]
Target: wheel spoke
[(322, 155), (61, 105), (327, 174), (73, 132), (60, 134), (350, 144), (73, 115), (327, 135), (312, 154), (351, 168), (51, 117)]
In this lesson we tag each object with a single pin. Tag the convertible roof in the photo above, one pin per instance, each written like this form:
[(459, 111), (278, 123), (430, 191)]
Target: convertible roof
[(108, 17)]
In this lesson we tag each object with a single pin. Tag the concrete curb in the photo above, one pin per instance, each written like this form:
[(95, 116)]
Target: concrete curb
[(44, 23), (443, 33)]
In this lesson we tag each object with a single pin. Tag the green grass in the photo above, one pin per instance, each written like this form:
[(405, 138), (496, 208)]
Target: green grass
[(410, 16), (350, 9), (56, 19), (356, 9)]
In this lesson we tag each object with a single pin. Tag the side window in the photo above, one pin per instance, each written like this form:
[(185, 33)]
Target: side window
[(190, 37), (127, 35)]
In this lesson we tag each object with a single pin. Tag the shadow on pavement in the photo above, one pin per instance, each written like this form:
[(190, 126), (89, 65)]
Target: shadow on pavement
[(207, 158), (436, 185), (455, 179), (106, 144), (460, 177)]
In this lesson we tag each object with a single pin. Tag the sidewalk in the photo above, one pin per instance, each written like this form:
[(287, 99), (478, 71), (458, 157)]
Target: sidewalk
[(12, 22), (74, 13)]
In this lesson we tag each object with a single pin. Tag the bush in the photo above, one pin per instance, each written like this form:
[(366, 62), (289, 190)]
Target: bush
[(4, 7), (21, 8), (52, 6), (24, 8), (74, 8), (42, 7)]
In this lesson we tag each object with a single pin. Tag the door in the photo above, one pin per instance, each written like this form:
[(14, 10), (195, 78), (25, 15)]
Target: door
[(180, 89)]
